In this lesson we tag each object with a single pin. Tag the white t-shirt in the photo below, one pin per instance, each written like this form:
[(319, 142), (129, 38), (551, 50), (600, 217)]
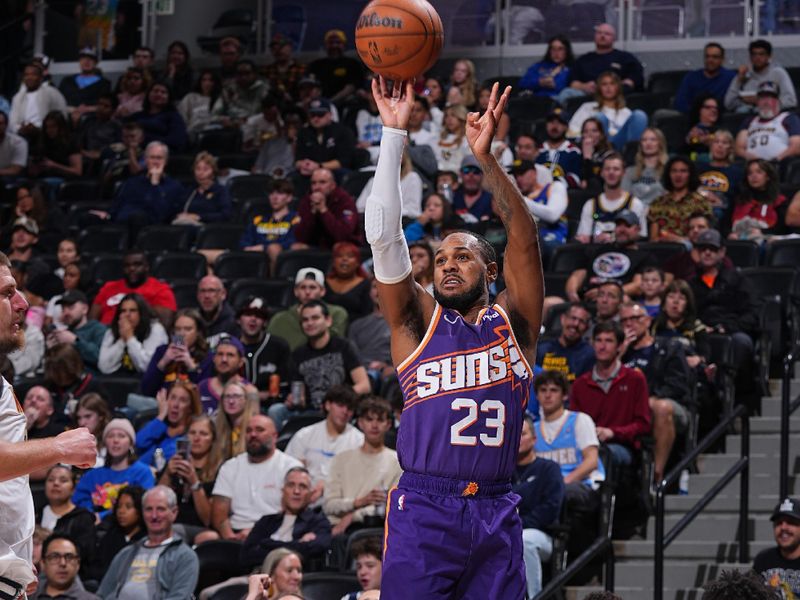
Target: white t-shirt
[(585, 435), (16, 503), (768, 139), (254, 489), (316, 448), (424, 137), (588, 225), (32, 108)]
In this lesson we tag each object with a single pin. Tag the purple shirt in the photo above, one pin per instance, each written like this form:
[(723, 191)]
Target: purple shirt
[(464, 389)]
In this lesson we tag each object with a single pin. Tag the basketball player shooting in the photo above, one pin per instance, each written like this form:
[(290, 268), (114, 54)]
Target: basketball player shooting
[(452, 528)]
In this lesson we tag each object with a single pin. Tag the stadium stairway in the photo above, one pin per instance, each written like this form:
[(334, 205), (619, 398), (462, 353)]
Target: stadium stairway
[(708, 545)]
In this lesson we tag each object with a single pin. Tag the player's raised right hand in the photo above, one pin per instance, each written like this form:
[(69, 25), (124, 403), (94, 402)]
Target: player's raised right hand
[(77, 447), (394, 105)]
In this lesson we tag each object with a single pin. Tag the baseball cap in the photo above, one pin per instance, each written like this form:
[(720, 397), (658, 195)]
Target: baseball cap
[(336, 34), (232, 341), (558, 113), (320, 106), (27, 224), (788, 508), (254, 305), (709, 237), (279, 39), (310, 273), (88, 51), (519, 166), (628, 216), (72, 296), (308, 80), (769, 88), (470, 161)]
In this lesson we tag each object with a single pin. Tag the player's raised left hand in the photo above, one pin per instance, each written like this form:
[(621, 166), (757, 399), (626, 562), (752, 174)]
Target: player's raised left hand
[(481, 128), (394, 106)]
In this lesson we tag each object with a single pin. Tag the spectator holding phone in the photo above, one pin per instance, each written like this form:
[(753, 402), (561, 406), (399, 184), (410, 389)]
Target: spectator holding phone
[(175, 410), (191, 473)]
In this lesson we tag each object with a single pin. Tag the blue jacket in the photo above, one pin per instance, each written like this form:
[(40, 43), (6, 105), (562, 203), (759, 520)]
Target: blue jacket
[(167, 127), (177, 571), (541, 488), (98, 488), (259, 543), (213, 206), (695, 83), (154, 378), (138, 195), (530, 81), (152, 436)]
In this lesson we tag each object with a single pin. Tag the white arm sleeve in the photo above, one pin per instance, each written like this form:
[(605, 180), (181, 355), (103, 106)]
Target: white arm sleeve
[(383, 216), (555, 207)]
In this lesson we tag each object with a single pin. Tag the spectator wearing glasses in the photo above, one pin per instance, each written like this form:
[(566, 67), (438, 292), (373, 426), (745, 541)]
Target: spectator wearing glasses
[(470, 201), (62, 560), (771, 134), (705, 118), (713, 79), (742, 92), (217, 314)]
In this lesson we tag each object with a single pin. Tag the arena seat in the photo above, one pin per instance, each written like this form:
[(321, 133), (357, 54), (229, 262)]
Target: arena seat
[(79, 190), (675, 127), (104, 267), (251, 207), (103, 238), (249, 186), (178, 265), (326, 585), (783, 253), (277, 293), (219, 141), (666, 81), (290, 262), (185, 291), (235, 265), (295, 424), (567, 258), (554, 284), (235, 591), (504, 80), (180, 165), (529, 107), (662, 251), (215, 236), (161, 238), (219, 561), (744, 253), (355, 181)]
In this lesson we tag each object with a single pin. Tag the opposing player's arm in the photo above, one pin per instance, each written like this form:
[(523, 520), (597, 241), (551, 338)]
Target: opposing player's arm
[(524, 294), (406, 305)]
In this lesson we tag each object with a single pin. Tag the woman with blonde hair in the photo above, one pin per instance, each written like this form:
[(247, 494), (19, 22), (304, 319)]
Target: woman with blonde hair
[(208, 200), (237, 406), (721, 177), (620, 123), (452, 146), (463, 84), (643, 179), (175, 411), (93, 413)]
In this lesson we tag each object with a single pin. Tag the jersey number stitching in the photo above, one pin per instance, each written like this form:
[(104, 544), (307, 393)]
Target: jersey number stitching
[(496, 422)]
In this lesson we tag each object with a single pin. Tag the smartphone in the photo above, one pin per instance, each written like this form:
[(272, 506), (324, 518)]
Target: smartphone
[(182, 448), (177, 340)]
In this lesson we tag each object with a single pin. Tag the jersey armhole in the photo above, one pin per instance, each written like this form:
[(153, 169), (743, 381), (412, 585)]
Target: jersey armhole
[(437, 311), (522, 356)]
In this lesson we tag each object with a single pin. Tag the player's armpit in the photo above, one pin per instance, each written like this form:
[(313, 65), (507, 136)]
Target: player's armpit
[(408, 309)]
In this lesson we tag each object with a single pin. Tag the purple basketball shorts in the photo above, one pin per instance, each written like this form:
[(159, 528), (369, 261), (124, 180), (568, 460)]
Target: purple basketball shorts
[(448, 539)]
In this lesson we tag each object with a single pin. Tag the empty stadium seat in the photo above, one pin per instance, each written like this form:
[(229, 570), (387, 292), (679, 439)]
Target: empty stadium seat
[(328, 585), (79, 190), (529, 108), (567, 258), (554, 284), (178, 265), (160, 238), (185, 291), (219, 141), (219, 561), (743, 253), (290, 262), (235, 265), (216, 236), (355, 181), (662, 250), (249, 186), (103, 238), (276, 293), (252, 207), (783, 253), (105, 267), (666, 81)]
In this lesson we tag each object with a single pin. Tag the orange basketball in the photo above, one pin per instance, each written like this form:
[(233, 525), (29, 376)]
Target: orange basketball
[(399, 39)]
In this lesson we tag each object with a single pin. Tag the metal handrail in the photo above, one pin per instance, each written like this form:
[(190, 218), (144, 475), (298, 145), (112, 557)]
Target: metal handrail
[(741, 467), (601, 545), (787, 409)]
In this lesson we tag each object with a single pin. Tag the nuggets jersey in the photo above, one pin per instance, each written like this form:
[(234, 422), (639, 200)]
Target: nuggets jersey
[(768, 138), (465, 389)]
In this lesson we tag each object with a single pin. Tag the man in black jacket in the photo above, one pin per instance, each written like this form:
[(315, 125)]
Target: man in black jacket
[(82, 90), (266, 355), (663, 363), (296, 527)]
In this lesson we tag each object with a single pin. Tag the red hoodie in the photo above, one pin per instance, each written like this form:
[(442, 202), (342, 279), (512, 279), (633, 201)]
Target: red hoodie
[(625, 409)]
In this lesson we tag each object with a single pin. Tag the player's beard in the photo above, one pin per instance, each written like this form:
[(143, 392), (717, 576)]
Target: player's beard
[(465, 300), (12, 342)]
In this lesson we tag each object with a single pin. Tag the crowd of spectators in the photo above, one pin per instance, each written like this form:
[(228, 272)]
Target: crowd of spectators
[(270, 422)]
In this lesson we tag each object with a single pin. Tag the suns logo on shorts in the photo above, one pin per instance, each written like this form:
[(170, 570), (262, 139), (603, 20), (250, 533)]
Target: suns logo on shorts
[(401, 502)]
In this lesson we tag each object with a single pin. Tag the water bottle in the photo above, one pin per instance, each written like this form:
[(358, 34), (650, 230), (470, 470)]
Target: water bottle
[(683, 483), (158, 460), (447, 192), (380, 508)]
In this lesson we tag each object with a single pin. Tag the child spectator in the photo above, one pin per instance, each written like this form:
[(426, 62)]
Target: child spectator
[(652, 285)]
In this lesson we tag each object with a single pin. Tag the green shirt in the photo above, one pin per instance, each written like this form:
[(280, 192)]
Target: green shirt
[(286, 324)]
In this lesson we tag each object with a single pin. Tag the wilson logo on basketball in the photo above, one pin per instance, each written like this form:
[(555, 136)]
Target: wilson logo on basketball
[(374, 20)]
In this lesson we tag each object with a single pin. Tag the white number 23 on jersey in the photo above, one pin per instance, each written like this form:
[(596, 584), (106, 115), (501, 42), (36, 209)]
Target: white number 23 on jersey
[(494, 415)]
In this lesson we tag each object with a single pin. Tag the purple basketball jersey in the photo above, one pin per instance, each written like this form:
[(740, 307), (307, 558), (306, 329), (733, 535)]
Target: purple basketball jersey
[(465, 389)]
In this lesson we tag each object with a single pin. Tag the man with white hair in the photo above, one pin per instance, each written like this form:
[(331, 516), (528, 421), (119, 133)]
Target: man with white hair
[(160, 565), (771, 134)]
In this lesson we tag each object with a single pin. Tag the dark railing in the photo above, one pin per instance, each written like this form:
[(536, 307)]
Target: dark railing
[(601, 545), (742, 466), (787, 409)]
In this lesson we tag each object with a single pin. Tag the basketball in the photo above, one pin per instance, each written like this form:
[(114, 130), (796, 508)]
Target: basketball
[(399, 39)]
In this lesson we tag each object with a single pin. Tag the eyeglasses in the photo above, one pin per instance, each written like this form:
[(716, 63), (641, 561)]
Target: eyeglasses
[(55, 557), (710, 107), (629, 319), (470, 171)]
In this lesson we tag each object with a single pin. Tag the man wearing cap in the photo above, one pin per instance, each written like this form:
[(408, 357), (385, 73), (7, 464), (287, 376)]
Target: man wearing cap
[(558, 154), (228, 364), (620, 260), (230, 52), (323, 144), (327, 214), (32, 102), (684, 264), (308, 90), (284, 72), (218, 315), (242, 97), (266, 355), (470, 201), (741, 94), (24, 236), (547, 202), (780, 565), (82, 332), (725, 304), (339, 75), (771, 134), (83, 90), (309, 284), (13, 151)]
